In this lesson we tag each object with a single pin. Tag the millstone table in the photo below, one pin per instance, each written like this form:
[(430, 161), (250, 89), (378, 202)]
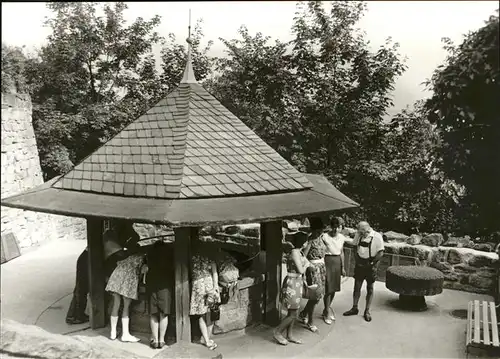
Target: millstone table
[(413, 283)]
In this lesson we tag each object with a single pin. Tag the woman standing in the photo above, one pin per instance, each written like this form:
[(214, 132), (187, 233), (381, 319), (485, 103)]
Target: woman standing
[(204, 291), (334, 264), (124, 284), (315, 252), (292, 288)]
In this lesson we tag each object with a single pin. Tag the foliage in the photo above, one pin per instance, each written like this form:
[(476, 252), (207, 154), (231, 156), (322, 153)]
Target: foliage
[(320, 99), (96, 74), (465, 109), (13, 60)]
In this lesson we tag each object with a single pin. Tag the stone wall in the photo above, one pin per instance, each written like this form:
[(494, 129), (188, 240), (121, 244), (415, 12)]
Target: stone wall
[(21, 171), (466, 265)]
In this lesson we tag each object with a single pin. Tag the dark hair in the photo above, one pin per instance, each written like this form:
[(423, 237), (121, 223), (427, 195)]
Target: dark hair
[(316, 223), (297, 239), (336, 222)]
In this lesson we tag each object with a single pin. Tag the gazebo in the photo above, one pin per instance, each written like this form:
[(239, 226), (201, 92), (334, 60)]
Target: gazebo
[(187, 162)]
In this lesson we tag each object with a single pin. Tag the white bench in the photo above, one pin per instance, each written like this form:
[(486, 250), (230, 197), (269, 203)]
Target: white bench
[(482, 326)]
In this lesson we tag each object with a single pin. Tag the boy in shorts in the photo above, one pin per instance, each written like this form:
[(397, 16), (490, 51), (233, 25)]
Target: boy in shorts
[(160, 288)]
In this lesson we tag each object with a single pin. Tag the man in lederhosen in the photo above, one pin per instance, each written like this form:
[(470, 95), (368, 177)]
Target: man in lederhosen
[(369, 251)]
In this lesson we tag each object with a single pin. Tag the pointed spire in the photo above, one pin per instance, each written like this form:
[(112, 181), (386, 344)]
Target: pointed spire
[(189, 77)]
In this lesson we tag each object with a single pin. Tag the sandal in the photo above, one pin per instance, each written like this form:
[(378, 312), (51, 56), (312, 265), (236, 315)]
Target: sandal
[(212, 345), (327, 320), (295, 341), (312, 328), (153, 344), (161, 345), (280, 339)]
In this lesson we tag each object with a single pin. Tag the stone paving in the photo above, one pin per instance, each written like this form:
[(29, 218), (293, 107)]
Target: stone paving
[(36, 288)]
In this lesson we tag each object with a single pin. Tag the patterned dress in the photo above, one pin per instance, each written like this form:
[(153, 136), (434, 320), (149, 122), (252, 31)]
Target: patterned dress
[(202, 284), (125, 278), (292, 288), (318, 273)]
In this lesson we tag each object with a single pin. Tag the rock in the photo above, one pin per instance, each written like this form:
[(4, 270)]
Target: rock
[(465, 268), (454, 256), (231, 230), (442, 266), (480, 281), (433, 240), (481, 261), (251, 231), (484, 247), (452, 277), (414, 239), (29, 341), (439, 254), (458, 242), (392, 236), (423, 253)]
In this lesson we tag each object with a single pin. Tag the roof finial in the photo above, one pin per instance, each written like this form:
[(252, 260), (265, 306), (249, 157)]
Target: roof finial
[(188, 72)]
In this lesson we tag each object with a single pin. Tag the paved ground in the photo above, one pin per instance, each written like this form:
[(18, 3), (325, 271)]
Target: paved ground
[(36, 289)]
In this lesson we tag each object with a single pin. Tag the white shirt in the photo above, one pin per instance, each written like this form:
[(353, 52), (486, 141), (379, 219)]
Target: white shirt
[(376, 246), (336, 244)]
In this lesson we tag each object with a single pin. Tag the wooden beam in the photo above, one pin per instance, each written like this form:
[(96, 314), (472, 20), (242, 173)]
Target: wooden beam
[(271, 241), (96, 273), (182, 258)]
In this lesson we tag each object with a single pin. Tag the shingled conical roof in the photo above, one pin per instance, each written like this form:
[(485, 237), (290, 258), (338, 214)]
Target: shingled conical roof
[(186, 146)]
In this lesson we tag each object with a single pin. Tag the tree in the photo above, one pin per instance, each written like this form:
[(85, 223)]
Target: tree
[(80, 77), (255, 83), (318, 100), (13, 62), (465, 107)]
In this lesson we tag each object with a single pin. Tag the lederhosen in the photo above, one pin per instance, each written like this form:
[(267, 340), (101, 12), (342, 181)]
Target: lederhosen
[(363, 269)]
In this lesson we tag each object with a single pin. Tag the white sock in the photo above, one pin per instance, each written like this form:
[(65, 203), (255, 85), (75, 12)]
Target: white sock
[(113, 323), (126, 336)]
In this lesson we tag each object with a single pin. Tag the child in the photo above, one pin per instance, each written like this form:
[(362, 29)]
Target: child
[(124, 283), (160, 288)]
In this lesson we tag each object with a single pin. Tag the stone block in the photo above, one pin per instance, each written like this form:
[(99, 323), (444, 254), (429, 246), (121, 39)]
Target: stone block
[(392, 236), (455, 256), (484, 247), (481, 261), (433, 239), (414, 239), (480, 281), (462, 267), (423, 253), (442, 266)]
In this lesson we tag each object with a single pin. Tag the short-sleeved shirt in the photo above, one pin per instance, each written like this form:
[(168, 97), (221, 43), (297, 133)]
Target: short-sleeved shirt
[(336, 243), (376, 246)]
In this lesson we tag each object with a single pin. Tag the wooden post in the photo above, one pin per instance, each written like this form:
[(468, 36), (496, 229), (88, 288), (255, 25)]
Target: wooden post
[(182, 255), (96, 273), (271, 241)]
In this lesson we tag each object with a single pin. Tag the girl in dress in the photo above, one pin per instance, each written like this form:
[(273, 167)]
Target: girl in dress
[(292, 288), (334, 264), (204, 291), (123, 284), (314, 251)]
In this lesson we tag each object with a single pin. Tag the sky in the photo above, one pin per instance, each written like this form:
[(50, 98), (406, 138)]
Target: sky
[(418, 26)]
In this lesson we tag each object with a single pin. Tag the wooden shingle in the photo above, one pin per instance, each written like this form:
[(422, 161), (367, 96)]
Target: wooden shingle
[(186, 146)]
